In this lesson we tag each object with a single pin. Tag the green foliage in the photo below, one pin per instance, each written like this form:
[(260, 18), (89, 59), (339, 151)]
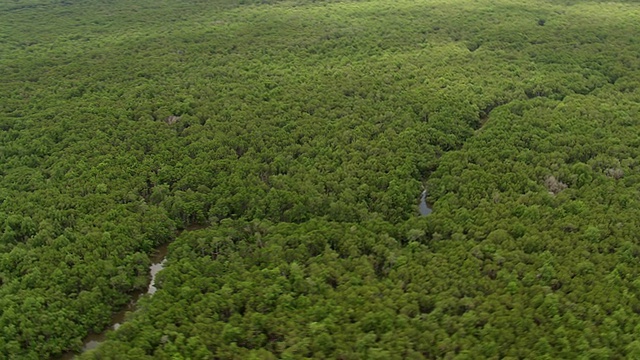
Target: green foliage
[(303, 133)]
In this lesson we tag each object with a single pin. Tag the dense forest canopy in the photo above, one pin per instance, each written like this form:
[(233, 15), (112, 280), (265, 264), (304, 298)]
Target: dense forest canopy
[(301, 135)]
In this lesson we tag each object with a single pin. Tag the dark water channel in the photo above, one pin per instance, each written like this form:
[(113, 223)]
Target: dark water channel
[(424, 207), (92, 340)]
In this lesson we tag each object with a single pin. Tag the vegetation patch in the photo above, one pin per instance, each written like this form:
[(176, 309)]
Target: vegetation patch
[(302, 135)]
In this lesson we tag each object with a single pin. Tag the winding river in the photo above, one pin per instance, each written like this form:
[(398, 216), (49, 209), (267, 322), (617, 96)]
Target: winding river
[(92, 340), (424, 207)]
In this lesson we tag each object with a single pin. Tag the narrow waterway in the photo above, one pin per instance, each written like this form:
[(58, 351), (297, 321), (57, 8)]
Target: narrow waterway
[(92, 340), (424, 207)]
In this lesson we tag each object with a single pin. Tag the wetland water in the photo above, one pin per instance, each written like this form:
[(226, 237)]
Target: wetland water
[(424, 207), (92, 340)]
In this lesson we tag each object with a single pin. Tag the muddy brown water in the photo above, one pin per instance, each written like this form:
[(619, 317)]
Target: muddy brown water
[(158, 259)]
